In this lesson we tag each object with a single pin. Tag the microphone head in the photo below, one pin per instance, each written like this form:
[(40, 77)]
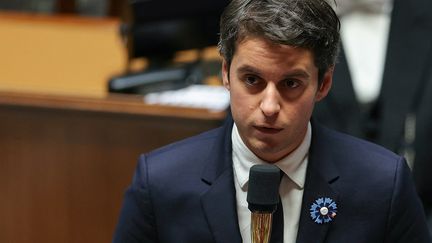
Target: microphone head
[(263, 188)]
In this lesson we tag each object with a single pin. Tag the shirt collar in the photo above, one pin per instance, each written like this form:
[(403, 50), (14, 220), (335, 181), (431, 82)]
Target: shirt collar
[(293, 165)]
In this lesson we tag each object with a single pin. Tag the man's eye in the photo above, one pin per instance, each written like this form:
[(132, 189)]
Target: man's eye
[(291, 83), (251, 80)]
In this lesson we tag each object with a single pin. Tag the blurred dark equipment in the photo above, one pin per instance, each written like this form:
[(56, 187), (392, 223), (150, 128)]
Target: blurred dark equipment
[(156, 30)]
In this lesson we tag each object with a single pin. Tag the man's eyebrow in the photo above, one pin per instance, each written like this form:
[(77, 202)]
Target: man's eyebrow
[(299, 73), (248, 69), (295, 73)]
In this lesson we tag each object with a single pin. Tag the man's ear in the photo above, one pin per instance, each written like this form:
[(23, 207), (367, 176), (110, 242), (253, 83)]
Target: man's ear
[(325, 85), (225, 74)]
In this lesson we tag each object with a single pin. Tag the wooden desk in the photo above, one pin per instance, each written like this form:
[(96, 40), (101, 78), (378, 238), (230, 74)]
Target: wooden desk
[(65, 162), (67, 148)]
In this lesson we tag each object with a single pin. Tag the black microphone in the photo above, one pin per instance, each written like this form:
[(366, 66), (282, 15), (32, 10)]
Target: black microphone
[(262, 198)]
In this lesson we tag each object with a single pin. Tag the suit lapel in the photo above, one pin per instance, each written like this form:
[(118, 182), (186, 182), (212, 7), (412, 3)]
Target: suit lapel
[(219, 201), (409, 45), (219, 205), (320, 176)]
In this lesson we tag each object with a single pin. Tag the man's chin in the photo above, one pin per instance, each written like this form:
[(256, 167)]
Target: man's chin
[(265, 150)]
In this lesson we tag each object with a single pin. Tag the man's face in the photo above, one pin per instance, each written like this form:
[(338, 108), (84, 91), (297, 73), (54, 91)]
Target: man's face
[(273, 90)]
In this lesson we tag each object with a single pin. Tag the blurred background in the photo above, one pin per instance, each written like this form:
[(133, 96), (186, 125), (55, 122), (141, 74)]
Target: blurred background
[(85, 87), (80, 7)]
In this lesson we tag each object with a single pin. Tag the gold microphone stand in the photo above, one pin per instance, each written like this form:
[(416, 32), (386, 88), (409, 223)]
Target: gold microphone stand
[(261, 227)]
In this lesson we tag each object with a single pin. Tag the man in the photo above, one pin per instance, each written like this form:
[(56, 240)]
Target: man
[(382, 85), (278, 60)]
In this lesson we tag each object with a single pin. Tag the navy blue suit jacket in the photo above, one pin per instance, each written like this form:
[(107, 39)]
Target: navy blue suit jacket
[(184, 193)]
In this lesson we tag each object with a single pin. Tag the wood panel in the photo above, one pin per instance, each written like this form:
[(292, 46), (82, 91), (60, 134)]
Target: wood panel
[(65, 55), (63, 171)]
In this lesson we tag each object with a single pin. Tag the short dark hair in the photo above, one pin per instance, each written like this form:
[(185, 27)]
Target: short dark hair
[(310, 24)]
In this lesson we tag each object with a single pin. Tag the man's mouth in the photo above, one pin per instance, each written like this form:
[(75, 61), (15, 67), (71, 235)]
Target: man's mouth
[(268, 130)]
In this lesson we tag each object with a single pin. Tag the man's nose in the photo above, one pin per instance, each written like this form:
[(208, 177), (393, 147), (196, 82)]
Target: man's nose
[(270, 102)]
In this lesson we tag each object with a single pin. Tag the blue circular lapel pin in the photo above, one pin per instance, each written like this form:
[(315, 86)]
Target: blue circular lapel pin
[(323, 210)]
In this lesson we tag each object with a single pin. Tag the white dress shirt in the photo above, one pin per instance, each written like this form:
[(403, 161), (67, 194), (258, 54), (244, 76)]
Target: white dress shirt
[(291, 189), (365, 36)]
